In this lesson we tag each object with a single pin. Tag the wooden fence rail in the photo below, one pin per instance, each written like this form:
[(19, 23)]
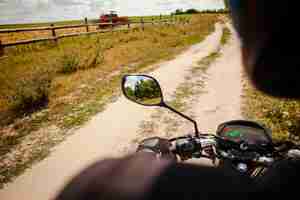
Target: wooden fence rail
[(53, 27), (55, 37)]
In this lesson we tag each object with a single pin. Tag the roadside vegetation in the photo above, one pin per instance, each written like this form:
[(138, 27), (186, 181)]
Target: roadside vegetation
[(226, 36), (195, 11), (46, 90), (281, 115)]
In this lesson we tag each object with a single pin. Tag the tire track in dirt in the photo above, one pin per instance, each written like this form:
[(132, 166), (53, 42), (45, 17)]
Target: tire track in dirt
[(211, 94)]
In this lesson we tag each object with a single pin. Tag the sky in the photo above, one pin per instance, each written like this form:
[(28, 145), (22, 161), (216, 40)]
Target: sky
[(131, 81), (28, 11)]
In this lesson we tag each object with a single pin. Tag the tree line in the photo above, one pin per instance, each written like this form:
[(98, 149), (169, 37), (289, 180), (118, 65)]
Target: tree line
[(195, 11), (143, 90)]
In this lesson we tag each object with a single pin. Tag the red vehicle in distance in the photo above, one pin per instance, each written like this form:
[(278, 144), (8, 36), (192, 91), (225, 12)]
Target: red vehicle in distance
[(112, 17)]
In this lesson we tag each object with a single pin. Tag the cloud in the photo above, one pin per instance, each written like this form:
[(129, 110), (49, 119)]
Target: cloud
[(70, 2)]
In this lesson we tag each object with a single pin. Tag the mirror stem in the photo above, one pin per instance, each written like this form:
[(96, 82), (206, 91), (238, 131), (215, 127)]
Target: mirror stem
[(184, 116)]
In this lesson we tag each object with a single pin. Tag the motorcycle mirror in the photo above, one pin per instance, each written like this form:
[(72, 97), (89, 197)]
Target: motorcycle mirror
[(145, 90)]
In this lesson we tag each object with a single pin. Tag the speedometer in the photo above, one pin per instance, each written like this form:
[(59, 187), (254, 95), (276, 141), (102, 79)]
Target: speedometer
[(245, 131)]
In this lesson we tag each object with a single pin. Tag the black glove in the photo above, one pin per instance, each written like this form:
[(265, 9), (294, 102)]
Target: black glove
[(157, 145)]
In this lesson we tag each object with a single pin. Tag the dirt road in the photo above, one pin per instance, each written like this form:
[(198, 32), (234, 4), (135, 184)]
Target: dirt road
[(113, 132)]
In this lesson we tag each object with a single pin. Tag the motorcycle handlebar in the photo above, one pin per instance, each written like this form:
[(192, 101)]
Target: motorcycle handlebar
[(189, 146), (206, 146)]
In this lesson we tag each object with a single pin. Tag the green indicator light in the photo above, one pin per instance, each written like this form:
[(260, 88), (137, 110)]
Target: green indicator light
[(234, 134)]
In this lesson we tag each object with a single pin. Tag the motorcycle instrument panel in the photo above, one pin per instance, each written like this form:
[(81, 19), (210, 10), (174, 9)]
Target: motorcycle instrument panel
[(240, 133)]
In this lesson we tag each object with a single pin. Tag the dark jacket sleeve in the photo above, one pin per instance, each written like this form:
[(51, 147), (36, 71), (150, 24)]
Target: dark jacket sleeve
[(131, 178), (144, 176), (281, 179), (193, 182)]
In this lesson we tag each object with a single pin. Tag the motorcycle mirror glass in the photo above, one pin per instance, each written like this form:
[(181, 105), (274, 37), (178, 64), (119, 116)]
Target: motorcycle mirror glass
[(143, 90)]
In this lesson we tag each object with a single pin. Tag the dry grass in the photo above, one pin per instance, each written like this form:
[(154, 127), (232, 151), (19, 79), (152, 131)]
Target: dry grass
[(80, 59), (74, 97), (226, 36), (281, 115), (74, 22), (13, 37)]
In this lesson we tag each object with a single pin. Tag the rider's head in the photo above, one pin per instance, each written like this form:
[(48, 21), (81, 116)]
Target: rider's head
[(270, 43)]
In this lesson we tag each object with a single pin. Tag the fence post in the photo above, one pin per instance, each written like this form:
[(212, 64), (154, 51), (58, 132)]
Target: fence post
[(128, 24), (174, 19), (86, 23), (152, 21), (1, 49), (53, 33), (142, 23), (112, 23), (168, 21)]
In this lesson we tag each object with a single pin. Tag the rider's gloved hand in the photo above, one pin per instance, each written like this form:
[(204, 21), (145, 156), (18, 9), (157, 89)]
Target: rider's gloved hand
[(156, 145)]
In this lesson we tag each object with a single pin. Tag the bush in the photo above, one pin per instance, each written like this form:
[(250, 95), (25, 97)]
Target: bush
[(191, 11), (178, 12), (69, 63), (31, 93), (94, 60), (225, 36)]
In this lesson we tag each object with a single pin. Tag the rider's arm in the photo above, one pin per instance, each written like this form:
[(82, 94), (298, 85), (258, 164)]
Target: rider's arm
[(186, 181), (127, 178), (144, 176)]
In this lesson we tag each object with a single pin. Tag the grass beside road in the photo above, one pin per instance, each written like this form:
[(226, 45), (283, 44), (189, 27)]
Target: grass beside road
[(62, 86), (225, 36), (281, 115)]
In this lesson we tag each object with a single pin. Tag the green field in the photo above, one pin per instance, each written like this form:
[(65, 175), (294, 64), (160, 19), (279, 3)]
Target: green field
[(14, 26), (71, 22)]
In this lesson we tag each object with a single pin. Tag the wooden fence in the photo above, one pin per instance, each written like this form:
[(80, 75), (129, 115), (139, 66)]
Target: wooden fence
[(54, 37)]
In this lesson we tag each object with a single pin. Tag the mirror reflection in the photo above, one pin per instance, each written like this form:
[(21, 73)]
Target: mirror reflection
[(143, 90)]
